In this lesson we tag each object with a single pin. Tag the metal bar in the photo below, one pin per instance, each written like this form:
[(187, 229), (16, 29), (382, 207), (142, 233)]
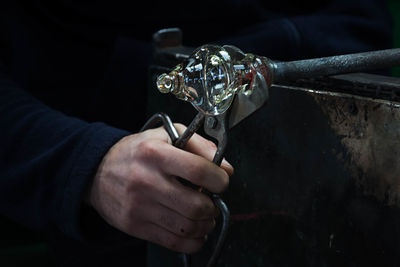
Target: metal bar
[(190, 130), (225, 213), (326, 66), (166, 121)]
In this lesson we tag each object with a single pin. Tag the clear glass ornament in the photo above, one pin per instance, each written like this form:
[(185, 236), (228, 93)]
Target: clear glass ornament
[(212, 76)]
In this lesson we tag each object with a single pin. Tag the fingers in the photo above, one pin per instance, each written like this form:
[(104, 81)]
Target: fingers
[(135, 189), (189, 203), (180, 225), (168, 228), (194, 168), (200, 146), (197, 144), (162, 237)]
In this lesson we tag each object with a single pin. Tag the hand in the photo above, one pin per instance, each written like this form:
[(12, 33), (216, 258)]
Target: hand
[(135, 189)]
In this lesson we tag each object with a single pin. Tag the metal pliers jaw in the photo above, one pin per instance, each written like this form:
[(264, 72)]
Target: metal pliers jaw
[(214, 126)]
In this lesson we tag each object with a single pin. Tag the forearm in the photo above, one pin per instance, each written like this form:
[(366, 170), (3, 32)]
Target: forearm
[(46, 161)]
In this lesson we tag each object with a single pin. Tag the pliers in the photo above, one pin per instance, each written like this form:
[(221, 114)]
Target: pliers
[(216, 128), (226, 85)]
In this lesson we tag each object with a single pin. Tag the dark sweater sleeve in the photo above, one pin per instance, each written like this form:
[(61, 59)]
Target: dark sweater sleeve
[(47, 160), (337, 27)]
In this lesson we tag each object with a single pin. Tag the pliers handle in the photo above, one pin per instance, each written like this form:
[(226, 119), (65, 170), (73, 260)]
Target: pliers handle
[(180, 141)]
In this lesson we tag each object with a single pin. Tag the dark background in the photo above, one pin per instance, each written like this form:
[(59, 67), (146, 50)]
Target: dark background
[(21, 247), (395, 8)]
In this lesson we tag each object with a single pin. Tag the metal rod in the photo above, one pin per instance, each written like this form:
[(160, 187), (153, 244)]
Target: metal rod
[(326, 66), (225, 213), (223, 208), (166, 121), (190, 130)]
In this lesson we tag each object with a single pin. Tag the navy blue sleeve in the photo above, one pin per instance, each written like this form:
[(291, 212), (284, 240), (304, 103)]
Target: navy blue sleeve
[(47, 160), (338, 27)]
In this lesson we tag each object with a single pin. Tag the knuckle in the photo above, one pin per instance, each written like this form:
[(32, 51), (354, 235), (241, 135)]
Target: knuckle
[(138, 181), (197, 209), (197, 171), (148, 149), (200, 208)]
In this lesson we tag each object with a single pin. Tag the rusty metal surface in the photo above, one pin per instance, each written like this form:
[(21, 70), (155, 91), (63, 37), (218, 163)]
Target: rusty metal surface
[(369, 129), (365, 113), (317, 174), (316, 182)]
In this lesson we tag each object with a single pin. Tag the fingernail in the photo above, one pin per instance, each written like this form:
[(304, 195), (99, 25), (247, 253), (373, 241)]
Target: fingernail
[(224, 161), (228, 167)]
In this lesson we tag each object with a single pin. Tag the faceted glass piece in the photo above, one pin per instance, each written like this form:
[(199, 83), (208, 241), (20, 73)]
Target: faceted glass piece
[(211, 77)]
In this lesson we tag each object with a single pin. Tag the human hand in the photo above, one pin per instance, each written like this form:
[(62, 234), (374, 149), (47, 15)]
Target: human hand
[(135, 189)]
